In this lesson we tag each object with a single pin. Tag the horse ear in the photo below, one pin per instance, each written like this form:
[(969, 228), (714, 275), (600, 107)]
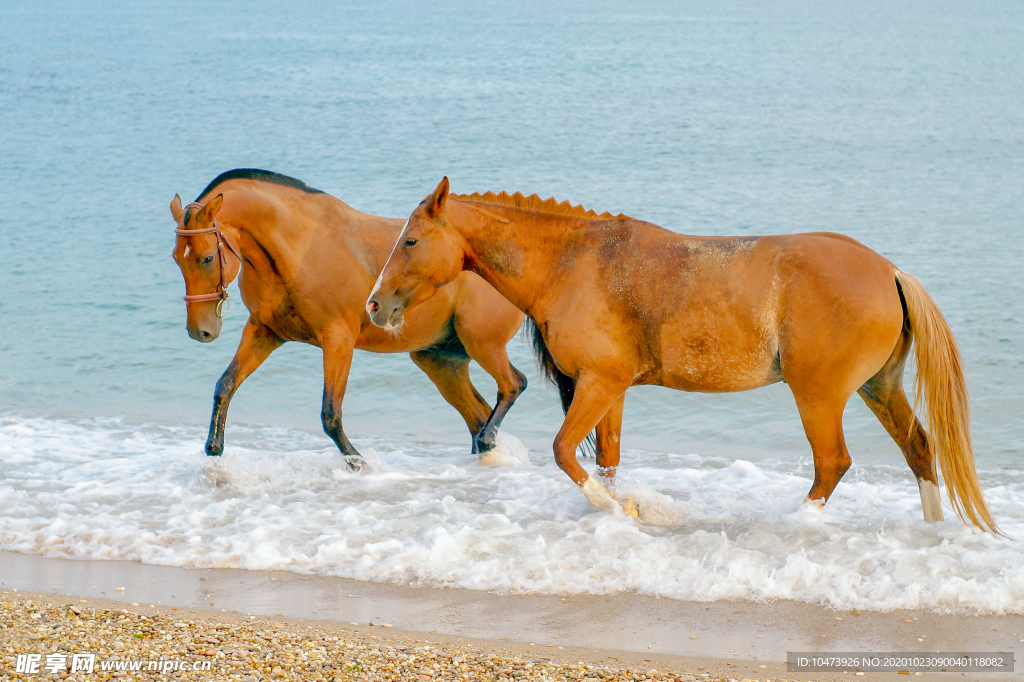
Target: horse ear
[(436, 201), (176, 211), (211, 208)]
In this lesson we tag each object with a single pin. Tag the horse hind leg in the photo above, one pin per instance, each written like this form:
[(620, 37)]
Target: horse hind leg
[(493, 358), (450, 374), (823, 426), (884, 395)]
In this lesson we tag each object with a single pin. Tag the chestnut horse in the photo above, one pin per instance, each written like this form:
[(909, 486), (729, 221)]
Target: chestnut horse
[(618, 302), (308, 262)]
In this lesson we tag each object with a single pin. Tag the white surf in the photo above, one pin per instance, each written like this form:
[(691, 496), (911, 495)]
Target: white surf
[(432, 515)]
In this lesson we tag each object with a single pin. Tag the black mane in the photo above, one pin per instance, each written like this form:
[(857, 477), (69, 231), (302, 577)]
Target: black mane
[(257, 174)]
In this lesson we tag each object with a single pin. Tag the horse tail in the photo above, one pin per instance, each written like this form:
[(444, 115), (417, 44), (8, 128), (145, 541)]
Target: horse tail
[(940, 382), (565, 384)]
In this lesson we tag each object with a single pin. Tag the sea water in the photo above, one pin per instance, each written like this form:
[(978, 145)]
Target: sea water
[(899, 124)]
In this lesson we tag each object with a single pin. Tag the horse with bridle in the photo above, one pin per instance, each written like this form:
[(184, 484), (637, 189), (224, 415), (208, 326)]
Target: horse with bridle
[(306, 263), (617, 302)]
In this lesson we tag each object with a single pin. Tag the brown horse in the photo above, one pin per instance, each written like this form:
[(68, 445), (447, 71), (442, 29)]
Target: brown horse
[(308, 262), (619, 302)]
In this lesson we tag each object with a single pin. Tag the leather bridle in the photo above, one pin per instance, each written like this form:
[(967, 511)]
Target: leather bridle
[(221, 294)]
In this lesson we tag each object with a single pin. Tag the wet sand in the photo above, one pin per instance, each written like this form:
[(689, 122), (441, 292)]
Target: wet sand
[(731, 640)]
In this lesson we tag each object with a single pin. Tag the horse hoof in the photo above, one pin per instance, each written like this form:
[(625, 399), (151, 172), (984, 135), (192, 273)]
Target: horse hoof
[(355, 463), (630, 507), (484, 442)]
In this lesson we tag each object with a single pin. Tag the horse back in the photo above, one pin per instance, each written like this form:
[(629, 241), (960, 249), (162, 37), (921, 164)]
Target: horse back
[(720, 313)]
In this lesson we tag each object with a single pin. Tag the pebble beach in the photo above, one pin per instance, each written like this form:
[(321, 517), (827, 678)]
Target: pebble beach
[(237, 647), (168, 643)]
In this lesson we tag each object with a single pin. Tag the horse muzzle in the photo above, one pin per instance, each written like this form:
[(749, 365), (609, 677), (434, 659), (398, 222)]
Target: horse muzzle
[(204, 333), (389, 317)]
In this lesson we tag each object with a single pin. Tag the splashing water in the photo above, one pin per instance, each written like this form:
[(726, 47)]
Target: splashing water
[(424, 514), (507, 452)]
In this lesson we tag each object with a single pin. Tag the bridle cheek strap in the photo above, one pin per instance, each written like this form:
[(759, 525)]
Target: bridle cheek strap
[(222, 290)]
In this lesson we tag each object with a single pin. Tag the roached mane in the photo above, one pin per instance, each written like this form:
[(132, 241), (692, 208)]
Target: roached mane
[(535, 203)]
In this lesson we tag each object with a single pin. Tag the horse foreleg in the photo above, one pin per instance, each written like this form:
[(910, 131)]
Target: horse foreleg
[(256, 345), (451, 376), (493, 358), (337, 363), (594, 397), (608, 431)]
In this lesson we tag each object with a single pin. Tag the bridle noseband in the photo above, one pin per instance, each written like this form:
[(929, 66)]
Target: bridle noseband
[(222, 290)]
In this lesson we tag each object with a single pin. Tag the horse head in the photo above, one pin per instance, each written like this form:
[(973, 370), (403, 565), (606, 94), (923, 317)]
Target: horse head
[(204, 256), (429, 253)]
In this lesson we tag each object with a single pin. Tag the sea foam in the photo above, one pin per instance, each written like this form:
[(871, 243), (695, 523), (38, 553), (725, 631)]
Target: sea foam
[(428, 514)]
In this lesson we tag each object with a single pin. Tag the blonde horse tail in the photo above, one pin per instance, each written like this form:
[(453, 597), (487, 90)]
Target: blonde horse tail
[(940, 383)]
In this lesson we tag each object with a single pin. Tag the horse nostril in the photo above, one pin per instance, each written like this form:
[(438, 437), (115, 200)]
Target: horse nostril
[(374, 306)]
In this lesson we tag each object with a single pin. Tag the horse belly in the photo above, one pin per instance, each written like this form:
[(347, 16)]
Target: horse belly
[(724, 358)]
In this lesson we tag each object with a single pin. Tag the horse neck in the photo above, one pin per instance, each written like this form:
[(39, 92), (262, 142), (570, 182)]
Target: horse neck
[(373, 240), (260, 242), (275, 247), (515, 250)]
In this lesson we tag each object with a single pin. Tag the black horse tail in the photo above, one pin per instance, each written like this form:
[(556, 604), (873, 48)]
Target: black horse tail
[(565, 384)]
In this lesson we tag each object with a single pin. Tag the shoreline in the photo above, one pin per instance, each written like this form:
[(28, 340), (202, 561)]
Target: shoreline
[(729, 639)]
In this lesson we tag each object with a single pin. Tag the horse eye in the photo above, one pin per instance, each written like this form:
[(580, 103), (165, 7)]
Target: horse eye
[(207, 260), (410, 242)]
